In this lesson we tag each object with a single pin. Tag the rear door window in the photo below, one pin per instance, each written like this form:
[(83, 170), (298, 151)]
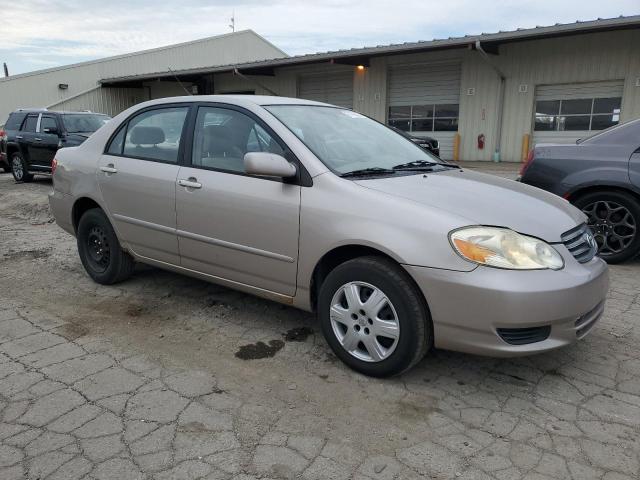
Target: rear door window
[(155, 134), (30, 124), (48, 124)]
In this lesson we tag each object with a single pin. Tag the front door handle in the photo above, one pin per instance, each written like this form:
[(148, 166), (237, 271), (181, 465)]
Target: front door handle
[(19, 137), (190, 183), (109, 169), (38, 139)]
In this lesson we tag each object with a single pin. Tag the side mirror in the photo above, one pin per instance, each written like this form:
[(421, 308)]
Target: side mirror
[(52, 131), (268, 165)]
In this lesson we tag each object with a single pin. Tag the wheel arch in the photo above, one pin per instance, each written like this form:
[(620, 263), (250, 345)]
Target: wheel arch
[(80, 206), (584, 190), (11, 150), (337, 256)]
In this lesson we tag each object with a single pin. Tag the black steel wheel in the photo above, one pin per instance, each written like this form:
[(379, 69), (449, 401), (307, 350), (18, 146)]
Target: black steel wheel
[(100, 251)]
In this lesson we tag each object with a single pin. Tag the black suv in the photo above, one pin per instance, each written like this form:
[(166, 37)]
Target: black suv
[(427, 143), (32, 138), (601, 176)]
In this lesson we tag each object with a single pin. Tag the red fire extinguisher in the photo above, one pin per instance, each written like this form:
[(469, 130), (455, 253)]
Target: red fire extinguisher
[(481, 141)]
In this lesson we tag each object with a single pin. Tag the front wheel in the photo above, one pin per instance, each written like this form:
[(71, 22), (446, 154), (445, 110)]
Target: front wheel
[(19, 169), (614, 218), (373, 317), (100, 251)]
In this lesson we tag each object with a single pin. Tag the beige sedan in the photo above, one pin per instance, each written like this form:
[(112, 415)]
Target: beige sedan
[(324, 209)]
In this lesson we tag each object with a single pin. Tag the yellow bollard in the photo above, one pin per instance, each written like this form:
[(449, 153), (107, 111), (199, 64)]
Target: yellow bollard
[(525, 147)]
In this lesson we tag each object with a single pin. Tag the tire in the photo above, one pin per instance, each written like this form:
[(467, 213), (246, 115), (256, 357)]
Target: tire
[(404, 308), (614, 217), (19, 169), (100, 251)]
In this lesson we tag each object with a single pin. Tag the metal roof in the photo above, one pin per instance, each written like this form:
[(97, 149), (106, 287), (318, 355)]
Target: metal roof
[(355, 54), (139, 52)]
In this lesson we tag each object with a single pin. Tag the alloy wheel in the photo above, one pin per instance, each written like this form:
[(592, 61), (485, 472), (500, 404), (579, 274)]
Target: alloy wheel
[(16, 165), (364, 321), (98, 249), (613, 226)]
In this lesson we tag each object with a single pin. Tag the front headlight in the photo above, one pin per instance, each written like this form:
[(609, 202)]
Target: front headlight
[(504, 248)]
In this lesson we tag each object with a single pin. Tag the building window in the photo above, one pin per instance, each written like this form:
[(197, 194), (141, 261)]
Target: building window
[(577, 114), (425, 118)]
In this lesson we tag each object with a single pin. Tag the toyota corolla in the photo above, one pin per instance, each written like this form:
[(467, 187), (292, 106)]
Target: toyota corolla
[(329, 211)]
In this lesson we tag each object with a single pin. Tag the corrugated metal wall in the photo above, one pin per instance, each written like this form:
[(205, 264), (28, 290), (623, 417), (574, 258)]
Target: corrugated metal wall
[(38, 89), (104, 100), (584, 58)]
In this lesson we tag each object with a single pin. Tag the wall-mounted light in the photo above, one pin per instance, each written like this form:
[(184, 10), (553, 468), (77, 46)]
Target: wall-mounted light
[(360, 68), (63, 86)]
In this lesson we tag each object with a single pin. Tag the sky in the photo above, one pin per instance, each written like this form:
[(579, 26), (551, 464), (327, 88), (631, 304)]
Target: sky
[(37, 34)]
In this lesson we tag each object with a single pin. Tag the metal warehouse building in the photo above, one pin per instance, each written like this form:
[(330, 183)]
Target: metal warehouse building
[(481, 96)]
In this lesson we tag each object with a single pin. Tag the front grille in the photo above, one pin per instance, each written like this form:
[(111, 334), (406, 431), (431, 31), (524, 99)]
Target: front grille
[(523, 336), (580, 242)]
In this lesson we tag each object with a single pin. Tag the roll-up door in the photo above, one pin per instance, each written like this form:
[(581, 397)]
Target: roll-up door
[(564, 113), (335, 88), (424, 100)]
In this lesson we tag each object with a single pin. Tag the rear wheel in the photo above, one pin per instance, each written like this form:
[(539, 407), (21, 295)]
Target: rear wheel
[(99, 249), (614, 218), (19, 169), (373, 317)]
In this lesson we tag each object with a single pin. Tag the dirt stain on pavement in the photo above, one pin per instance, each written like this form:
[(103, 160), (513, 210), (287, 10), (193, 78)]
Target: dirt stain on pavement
[(258, 350), (71, 331), (34, 254), (299, 334)]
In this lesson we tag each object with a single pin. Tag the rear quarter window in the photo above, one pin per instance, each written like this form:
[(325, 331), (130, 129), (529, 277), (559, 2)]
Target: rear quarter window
[(14, 121)]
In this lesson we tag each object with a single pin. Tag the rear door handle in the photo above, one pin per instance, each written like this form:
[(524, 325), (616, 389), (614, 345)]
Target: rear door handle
[(109, 169), (38, 139), (19, 137), (190, 183)]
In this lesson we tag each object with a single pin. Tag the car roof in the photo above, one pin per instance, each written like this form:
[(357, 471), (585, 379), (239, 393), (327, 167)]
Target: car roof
[(242, 100), (44, 110)]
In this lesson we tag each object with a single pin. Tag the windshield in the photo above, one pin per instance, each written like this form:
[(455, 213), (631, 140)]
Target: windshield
[(83, 122), (346, 141)]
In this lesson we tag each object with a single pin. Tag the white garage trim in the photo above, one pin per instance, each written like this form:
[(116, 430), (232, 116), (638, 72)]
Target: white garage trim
[(335, 88), (561, 110), (427, 99)]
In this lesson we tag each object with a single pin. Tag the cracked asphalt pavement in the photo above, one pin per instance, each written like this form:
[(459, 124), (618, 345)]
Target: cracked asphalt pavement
[(168, 377)]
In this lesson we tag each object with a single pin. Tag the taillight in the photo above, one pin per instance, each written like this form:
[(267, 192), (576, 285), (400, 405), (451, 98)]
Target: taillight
[(54, 164), (3, 135), (526, 163)]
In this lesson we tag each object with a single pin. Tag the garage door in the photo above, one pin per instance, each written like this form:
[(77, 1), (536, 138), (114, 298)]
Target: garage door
[(424, 99), (565, 113), (335, 88)]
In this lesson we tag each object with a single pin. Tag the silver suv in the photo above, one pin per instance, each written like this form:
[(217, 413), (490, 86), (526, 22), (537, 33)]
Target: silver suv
[(324, 209)]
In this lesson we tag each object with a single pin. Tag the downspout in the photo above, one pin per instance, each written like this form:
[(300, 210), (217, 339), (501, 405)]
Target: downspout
[(489, 60)]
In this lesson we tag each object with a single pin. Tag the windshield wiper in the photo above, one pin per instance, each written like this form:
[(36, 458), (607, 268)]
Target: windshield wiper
[(369, 171), (423, 165)]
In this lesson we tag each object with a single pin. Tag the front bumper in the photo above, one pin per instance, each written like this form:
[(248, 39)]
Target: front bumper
[(468, 308)]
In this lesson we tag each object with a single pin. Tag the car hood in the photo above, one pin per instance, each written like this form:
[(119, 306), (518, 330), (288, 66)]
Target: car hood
[(486, 200)]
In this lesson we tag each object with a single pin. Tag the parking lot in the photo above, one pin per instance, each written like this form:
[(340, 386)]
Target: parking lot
[(169, 377)]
